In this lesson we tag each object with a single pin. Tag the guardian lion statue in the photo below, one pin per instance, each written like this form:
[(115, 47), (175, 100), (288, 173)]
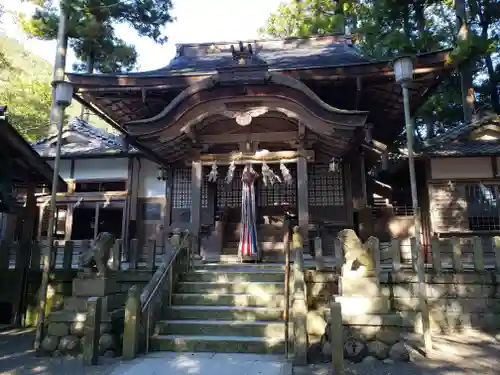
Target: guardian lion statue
[(356, 253), (97, 256)]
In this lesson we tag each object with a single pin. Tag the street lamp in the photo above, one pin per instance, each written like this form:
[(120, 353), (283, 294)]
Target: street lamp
[(403, 73), (63, 94)]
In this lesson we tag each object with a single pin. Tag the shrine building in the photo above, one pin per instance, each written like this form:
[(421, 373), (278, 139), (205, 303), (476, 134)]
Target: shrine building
[(311, 117)]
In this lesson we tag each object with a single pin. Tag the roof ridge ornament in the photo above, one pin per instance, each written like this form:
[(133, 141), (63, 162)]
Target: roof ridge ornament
[(247, 67), (245, 53)]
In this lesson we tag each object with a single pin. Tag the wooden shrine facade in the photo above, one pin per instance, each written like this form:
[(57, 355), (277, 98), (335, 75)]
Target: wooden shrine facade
[(302, 103)]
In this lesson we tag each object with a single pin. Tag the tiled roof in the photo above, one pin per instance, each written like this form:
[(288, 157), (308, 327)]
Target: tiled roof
[(330, 51), (100, 141), (468, 148), (457, 142)]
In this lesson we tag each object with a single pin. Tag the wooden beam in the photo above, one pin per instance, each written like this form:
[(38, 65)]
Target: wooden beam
[(250, 137), (251, 158)]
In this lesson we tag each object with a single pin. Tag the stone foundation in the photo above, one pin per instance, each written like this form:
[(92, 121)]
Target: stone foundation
[(65, 328), (66, 338)]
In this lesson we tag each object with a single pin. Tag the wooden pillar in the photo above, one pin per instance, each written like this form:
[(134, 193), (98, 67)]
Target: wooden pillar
[(24, 253), (303, 199), (196, 181), (129, 222), (167, 220)]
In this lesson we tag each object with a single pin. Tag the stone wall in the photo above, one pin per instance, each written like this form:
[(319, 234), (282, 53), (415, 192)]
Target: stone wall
[(64, 333), (382, 309)]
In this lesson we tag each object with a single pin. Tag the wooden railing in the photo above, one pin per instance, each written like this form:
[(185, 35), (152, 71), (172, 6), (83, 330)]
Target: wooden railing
[(66, 254), (467, 253), (142, 311)]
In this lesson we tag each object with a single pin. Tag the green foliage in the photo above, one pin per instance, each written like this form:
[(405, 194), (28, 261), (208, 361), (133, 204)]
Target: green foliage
[(387, 28), (91, 29), (25, 89)]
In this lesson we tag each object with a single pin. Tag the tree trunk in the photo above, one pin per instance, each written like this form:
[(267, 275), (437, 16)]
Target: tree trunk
[(493, 84), (466, 68), (84, 114)]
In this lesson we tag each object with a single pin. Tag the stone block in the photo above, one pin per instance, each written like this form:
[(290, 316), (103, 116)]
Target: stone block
[(359, 286), (360, 305), (109, 303), (95, 287)]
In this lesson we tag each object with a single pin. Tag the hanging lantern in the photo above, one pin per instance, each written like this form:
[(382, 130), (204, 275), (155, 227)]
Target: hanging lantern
[(334, 165), (212, 175), (285, 172), (230, 172)]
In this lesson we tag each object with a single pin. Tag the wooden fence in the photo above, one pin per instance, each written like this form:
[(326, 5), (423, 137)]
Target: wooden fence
[(458, 254), (66, 255)]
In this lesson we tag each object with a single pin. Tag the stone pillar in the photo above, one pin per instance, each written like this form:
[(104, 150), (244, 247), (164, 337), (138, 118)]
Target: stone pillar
[(196, 176), (303, 199)]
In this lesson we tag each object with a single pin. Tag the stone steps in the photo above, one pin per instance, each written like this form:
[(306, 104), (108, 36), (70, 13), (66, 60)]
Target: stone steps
[(235, 276), (225, 308), (221, 328), (235, 287), (239, 299), (217, 344)]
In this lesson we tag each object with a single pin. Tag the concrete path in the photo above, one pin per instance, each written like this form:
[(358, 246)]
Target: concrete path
[(205, 364)]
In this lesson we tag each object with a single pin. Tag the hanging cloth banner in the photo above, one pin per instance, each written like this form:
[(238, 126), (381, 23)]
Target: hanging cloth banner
[(248, 247)]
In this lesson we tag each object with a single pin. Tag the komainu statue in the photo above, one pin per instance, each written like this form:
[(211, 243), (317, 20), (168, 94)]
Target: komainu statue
[(358, 257), (96, 257)]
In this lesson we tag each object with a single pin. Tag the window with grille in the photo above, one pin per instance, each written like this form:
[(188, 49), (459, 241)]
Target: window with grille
[(483, 210), (325, 188), (279, 194), (229, 195), (181, 190)]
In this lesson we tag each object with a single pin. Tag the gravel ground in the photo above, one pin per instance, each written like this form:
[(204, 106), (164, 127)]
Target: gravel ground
[(17, 357), (471, 353)]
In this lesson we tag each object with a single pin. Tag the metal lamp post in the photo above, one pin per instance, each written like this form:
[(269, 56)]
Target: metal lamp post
[(403, 72), (63, 94)]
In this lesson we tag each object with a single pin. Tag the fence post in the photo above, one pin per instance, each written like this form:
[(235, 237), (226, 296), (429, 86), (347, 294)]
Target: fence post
[(336, 338), (376, 255), (151, 254), (396, 254), (4, 254), (35, 256), (299, 309), (436, 254), (133, 254), (337, 248), (68, 255), (91, 331), (496, 249), (456, 252), (414, 253), (477, 247), (318, 254), (132, 320), (116, 255)]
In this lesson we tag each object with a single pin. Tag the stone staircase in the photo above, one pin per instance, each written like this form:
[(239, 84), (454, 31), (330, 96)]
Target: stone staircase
[(231, 308)]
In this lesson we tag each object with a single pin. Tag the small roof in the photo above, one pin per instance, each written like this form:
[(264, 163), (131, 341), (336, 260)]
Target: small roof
[(29, 166), (466, 139), (91, 140)]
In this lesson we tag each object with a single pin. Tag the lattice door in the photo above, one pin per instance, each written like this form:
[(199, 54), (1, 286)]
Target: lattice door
[(181, 192), (325, 188), (229, 195)]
